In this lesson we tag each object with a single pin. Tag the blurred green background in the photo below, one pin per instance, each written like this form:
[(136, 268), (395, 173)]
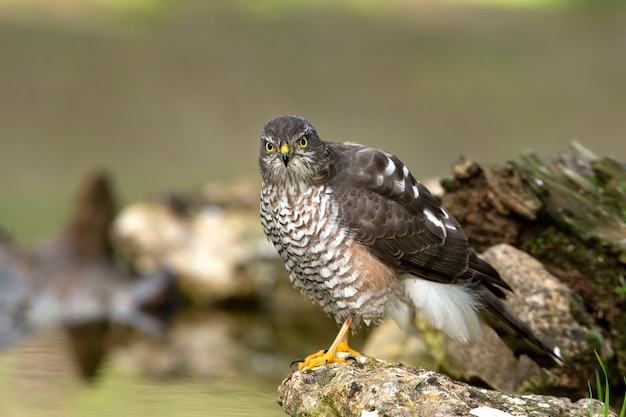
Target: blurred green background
[(169, 95)]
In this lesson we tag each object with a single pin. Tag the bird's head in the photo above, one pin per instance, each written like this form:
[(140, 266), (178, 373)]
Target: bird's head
[(291, 151)]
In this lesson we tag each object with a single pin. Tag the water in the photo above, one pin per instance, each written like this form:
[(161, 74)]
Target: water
[(39, 378), (225, 361)]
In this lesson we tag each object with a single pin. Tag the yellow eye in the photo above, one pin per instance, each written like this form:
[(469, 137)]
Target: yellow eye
[(269, 147), (303, 142)]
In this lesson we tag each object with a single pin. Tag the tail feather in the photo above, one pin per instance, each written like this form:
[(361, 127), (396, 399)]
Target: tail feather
[(487, 274), (515, 333), (450, 308)]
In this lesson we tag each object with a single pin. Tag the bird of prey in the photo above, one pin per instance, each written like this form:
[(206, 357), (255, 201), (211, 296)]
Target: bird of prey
[(361, 237)]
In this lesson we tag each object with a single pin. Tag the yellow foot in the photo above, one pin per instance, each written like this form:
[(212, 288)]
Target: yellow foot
[(323, 357)]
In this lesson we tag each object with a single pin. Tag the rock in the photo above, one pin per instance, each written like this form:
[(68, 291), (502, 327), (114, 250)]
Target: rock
[(567, 211), (217, 252), (377, 388)]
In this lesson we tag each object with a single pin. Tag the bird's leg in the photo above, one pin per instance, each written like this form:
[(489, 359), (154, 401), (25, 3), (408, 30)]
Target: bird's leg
[(340, 345)]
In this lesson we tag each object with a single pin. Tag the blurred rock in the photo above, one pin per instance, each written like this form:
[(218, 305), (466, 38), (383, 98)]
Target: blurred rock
[(214, 243), (394, 344), (238, 193), (72, 280), (376, 388)]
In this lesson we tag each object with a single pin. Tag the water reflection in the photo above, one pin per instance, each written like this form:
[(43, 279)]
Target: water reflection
[(125, 396), (210, 366), (220, 343), (39, 376)]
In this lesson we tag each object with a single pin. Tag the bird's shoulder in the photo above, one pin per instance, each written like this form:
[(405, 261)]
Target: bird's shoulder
[(361, 171)]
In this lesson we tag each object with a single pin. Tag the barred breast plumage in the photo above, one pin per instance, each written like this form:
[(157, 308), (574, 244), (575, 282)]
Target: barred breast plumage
[(319, 254)]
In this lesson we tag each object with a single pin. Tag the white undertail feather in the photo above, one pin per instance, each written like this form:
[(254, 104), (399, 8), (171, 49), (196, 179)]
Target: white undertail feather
[(447, 307)]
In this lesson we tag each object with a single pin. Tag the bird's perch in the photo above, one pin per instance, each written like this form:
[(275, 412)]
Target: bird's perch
[(377, 388)]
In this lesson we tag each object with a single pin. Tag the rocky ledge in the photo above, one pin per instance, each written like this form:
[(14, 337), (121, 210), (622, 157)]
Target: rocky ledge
[(371, 387)]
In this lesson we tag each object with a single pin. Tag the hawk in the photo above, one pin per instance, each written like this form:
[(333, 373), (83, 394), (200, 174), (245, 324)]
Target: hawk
[(361, 237)]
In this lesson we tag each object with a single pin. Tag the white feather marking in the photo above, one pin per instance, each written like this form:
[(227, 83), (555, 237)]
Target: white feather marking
[(325, 256), (318, 248), (298, 234), (348, 292), (391, 168), (325, 232), (295, 251), (349, 279), (363, 298), (446, 307), (379, 180), (416, 191), (430, 216), (325, 273), (336, 241), (446, 216), (398, 186), (332, 283), (405, 171)]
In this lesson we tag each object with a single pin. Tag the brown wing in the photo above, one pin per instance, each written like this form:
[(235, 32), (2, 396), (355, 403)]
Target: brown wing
[(399, 220)]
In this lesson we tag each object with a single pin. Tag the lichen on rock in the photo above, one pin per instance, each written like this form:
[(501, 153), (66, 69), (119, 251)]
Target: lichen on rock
[(376, 388)]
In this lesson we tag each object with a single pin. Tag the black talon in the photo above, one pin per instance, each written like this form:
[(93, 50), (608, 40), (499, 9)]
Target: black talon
[(294, 363)]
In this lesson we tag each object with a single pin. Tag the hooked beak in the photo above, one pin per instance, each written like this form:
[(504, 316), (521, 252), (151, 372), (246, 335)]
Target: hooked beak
[(285, 153)]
